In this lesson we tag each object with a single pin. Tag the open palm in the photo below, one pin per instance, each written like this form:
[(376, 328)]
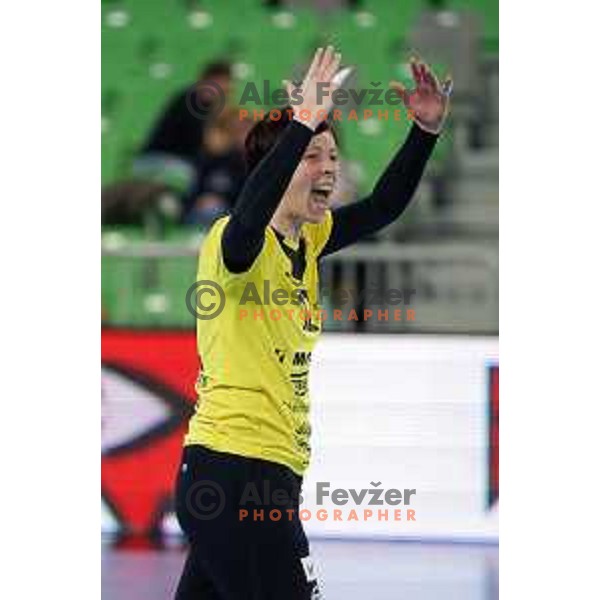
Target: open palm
[(428, 100)]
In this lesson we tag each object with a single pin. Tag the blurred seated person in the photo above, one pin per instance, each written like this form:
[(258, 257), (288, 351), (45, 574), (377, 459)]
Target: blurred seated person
[(177, 136), (221, 171), (221, 168)]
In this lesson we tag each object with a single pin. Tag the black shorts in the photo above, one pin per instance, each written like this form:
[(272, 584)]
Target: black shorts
[(240, 516)]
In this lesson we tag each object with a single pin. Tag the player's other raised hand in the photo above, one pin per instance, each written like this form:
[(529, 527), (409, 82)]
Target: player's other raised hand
[(316, 103), (428, 99)]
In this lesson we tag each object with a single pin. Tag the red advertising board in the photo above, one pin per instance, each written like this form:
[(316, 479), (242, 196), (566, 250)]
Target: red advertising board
[(147, 397)]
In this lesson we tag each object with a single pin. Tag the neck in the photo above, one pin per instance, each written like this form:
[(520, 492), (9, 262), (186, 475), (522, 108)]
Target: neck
[(286, 226)]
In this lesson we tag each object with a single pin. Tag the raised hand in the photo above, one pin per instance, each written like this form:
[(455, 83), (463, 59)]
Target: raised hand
[(317, 88), (428, 100)]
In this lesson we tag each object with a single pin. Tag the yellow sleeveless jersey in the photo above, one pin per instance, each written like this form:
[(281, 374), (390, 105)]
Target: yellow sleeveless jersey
[(255, 353)]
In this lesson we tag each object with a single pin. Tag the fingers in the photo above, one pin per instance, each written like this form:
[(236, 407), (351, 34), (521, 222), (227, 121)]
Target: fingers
[(427, 81), (431, 82), (417, 72), (324, 65), (322, 70), (327, 58), (401, 89), (430, 79), (314, 65), (423, 76), (333, 67)]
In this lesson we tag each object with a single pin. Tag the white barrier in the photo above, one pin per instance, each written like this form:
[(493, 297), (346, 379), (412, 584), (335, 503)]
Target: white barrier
[(410, 412)]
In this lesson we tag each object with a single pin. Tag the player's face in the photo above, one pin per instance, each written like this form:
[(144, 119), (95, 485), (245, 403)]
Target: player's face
[(312, 186)]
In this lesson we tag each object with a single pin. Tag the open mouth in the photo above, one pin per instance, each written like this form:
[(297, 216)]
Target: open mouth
[(322, 194)]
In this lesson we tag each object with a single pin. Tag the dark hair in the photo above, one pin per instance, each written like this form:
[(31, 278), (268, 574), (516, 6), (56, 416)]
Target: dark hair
[(263, 136), (218, 68)]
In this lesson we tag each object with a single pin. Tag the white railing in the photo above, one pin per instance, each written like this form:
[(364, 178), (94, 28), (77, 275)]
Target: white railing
[(454, 285)]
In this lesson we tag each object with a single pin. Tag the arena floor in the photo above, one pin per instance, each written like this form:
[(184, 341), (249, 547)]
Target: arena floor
[(350, 570)]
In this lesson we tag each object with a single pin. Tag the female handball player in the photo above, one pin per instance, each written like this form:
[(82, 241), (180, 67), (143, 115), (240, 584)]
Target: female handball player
[(247, 445)]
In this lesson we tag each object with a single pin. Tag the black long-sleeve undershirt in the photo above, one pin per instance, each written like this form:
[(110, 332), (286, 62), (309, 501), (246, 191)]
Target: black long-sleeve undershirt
[(389, 198), (244, 234)]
